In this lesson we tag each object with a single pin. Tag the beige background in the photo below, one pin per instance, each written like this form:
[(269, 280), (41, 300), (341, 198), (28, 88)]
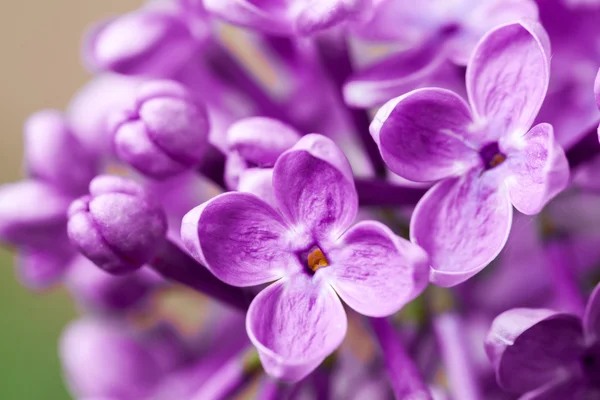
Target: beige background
[(40, 68)]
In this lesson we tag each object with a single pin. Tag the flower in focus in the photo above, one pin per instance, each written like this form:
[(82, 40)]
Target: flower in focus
[(548, 355), (484, 155), (308, 250)]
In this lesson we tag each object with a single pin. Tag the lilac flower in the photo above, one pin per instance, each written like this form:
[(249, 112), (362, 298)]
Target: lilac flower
[(548, 355), (484, 156), (165, 131), (308, 250), (434, 31), (155, 40), (288, 17), (107, 358), (254, 144)]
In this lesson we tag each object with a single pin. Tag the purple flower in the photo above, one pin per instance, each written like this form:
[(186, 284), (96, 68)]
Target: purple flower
[(164, 133), (116, 226), (288, 17), (307, 248), (152, 41), (434, 31), (254, 144), (484, 155), (546, 354)]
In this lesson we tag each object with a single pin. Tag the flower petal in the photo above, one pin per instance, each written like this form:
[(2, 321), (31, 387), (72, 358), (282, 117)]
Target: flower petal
[(532, 347), (295, 323), (483, 17), (258, 181), (507, 76), (559, 389), (421, 135), (398, 74), (374, 271), (314, 187), (591, 319), (539, 169), (462, 223), (264, 15), (260, 140), (240, 239)]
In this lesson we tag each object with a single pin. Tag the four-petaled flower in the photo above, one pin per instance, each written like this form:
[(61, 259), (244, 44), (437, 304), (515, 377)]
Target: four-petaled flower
[(484, 156), (546, 354), (308, 250)]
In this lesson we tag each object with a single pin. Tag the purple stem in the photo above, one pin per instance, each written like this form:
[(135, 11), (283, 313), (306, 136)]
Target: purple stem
[(226, 67), (450, 333), (375, 192), (270, 389), (405, 379), (213, 167), (335, 58), (586, 149), (227, 381), (567, 293), (176, 265)]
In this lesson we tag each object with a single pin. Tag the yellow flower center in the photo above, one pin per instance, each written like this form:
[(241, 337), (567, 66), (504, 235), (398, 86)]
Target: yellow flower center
[(316, 259)]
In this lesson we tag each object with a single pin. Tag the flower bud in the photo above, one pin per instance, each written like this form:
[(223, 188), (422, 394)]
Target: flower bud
[(54, 155), (42, 266), (90, 108), (165, 134), (104, 358), (31, 213), (117, 226), (151, 42)]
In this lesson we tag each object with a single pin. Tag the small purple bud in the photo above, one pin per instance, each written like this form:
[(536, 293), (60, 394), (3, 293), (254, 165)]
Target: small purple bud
[(104, 358), (166, 133), (31, 212), (150, 42), (117, 226), (54, 155)]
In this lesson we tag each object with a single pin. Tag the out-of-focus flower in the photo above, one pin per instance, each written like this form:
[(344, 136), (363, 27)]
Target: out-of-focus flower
[(308, 248), (548, 355), (431, 33), (484, 155)]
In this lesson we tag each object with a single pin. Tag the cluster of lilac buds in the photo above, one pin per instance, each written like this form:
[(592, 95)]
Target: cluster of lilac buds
[(321, 184)]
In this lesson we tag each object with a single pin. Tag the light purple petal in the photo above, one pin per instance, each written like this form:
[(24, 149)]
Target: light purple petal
[(484, 16), (258, 181), (507, 77), (591, 319), (422, 135), (406, 22), (31, 212), (398, 74), (261, 140), (314, 187), (374, 271), (322, 14), (462, 223), (532, 347), (538, 167), (240, 239), (266, 15), (295, 323)]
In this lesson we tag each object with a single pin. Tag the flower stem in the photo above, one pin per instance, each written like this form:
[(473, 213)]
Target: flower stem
[(230, 378), (586, 149), (405, 379), (176, 265), (376, 192), (450, 333), (567, 293), (335, 57)]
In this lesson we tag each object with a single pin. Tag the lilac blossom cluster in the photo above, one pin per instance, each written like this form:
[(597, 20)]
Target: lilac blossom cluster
[(332, 176)]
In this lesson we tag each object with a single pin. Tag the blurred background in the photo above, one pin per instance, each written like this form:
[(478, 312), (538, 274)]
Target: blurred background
[(40, 68)]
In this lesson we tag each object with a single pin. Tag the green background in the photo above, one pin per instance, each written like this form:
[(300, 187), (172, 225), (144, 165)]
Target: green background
[(29, 331)]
